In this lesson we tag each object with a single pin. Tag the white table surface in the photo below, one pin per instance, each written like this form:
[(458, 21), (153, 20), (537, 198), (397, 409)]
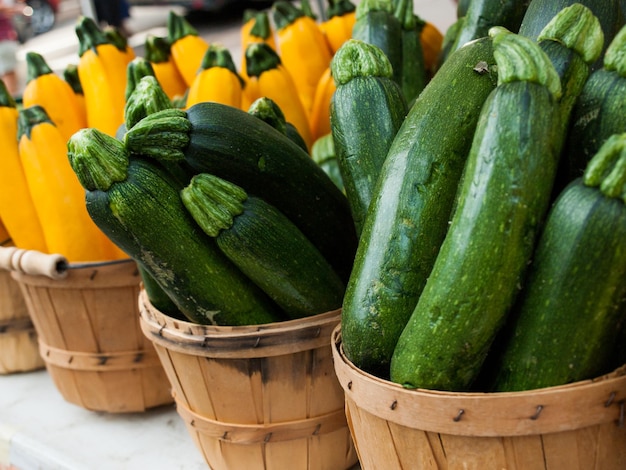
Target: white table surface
[(39, 430)]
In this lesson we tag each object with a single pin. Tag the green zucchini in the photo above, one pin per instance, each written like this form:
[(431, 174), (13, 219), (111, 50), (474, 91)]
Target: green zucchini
[(568, 315), (540, 12), (408, 215), (573, 41), (265, 246), (376, 24), (323, 153), (234, 145), (414, 76), (483, 14), (267, 110), (366, 111), (137, 205), (146, 97), (599, 110), (503, 197)]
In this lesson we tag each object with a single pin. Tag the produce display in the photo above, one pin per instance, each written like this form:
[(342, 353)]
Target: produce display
[(427, 184)]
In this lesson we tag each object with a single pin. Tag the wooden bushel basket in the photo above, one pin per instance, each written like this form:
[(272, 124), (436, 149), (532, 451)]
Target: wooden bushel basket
[(19, 351), (578, 426), (87, 323), (256, 397)]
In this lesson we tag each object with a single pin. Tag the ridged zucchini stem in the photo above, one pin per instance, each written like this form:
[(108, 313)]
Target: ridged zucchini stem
[(615, 55), (6, 99), (520, 59), (607, 169), (136, 69), (162, 135), (98, 159), (178, 27), (366, 6), (356, 58), (147, 98), (577, 28), (268, 111), (213, 202)]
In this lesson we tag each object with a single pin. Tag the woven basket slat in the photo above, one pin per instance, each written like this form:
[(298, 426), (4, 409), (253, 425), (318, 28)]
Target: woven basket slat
[(249, 395)]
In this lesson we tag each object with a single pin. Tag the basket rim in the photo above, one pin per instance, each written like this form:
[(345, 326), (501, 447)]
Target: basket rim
[(541, 411), (248, 341)]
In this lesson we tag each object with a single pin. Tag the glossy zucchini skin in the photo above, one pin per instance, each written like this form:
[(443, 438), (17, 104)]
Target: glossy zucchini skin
[(376, 24), (540, 12), (230, 143), (503, 199), (366, 111), (265, 246), (143, 214), (408, 215), (568, 314)]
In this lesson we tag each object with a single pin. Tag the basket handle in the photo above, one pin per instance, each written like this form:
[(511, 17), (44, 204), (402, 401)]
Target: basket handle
[(33, 262)]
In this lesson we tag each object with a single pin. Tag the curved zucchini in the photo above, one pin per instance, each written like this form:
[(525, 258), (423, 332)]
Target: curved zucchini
[(138, 206), (569, 312), (414, 76), (265, 245), (503, 198), (408, 215), (366, 111), (234, 145)]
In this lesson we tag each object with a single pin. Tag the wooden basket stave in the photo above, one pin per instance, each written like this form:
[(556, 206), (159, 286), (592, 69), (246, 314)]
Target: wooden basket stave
[(90, 339), (575, 426), (256, 397)]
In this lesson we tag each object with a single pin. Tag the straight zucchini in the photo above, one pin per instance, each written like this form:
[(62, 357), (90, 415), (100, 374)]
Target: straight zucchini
[(599, 110), (366, 111), (137, 205), (570, 312), (409, 212), (265, 245), (238, 147), (503, 198)]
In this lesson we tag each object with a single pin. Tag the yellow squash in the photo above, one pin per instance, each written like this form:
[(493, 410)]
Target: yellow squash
[(16, 204), (217, 79), (337, 28), (256, 28), (54, 94), (187, 48), (320, 113), (268, 78), (303, 48), (58, 196), (102, 72), (70, 75), (158, 53)]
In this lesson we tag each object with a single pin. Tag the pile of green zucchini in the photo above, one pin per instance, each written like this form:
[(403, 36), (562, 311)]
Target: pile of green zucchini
[(487, 260)]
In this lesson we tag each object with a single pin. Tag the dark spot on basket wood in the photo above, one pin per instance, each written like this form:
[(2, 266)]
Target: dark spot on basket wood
[(317, 429), (225, 436), (93, 275), (102, 360), (138, 357), (394, 405), (350, 385), (69, 361), (267, 437), (609, 402), (537, 412), (458, 416), (161, 331)]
